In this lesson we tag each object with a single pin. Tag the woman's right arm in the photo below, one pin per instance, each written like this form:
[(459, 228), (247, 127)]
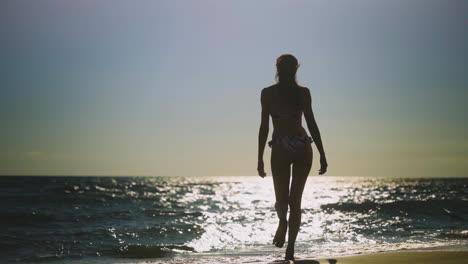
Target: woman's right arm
[(314, 130), (263, 134)]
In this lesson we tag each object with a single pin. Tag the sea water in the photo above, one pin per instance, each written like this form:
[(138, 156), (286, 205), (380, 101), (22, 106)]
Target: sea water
[(169, 219)]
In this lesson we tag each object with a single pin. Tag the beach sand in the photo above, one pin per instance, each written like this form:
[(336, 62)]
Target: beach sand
[(394, 257), (400, 257)]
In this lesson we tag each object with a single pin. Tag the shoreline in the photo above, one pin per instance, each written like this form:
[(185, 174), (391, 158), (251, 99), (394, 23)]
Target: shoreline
[(446, 255), (440, 254), (399, 256)]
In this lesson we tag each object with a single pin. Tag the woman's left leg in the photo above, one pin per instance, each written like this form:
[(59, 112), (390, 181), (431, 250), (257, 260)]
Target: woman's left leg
[(281, 169), (301, 168)]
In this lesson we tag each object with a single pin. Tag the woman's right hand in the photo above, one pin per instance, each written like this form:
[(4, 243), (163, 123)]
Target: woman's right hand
[(261, 169), (323, 165)]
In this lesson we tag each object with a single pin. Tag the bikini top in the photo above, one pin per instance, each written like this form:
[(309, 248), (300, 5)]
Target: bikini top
[(286, 116)]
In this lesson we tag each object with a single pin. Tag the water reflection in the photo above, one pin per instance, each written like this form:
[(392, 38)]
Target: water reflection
[(340, 215), (127, 216)]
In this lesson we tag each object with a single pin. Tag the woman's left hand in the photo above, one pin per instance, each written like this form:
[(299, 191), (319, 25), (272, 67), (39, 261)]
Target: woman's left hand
[(261, 169)]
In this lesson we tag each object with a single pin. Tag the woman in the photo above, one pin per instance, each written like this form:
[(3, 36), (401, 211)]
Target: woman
[(285, 101)]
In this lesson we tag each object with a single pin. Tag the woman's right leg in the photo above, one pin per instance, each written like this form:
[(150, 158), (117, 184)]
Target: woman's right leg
[(281, 169)]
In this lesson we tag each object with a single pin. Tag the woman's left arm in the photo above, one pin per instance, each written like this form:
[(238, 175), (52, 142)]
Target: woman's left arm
[(263, 134)]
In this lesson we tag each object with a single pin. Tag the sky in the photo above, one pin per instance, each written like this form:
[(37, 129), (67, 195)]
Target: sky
[(172, 88)]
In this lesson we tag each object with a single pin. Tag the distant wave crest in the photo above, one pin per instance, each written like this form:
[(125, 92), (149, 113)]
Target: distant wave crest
[(150, 251), (462, 234), (452, 207)]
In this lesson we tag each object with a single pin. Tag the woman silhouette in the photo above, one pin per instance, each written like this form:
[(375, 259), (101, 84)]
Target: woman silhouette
[(285, 101)]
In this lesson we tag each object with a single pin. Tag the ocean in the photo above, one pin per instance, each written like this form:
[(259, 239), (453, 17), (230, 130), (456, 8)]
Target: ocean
[(195, 220)]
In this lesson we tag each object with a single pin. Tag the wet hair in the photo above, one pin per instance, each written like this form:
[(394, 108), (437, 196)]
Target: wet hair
[(286, 68)]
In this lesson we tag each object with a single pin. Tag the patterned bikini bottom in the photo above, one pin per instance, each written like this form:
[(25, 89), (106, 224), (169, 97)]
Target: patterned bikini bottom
[(291, 143)]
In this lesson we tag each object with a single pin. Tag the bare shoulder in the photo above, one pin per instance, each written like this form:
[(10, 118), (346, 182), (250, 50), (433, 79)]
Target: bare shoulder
[(304, 90), (267, 90), (306, 99)]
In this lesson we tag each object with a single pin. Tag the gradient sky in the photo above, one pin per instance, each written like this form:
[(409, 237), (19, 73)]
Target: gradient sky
[(173, 87)]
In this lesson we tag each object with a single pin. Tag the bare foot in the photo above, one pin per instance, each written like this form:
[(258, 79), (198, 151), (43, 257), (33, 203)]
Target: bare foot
[(280, 235), (289, 253)]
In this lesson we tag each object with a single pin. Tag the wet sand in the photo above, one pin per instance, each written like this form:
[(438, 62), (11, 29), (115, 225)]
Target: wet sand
[(400, 257)]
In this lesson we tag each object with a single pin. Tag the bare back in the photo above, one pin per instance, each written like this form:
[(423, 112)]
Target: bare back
[(287, 119)]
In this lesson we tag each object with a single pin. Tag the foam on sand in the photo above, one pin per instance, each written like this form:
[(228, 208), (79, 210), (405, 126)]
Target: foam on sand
[(400, 257)]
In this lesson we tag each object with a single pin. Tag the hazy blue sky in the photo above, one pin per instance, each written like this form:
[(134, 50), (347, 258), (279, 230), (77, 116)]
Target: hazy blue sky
[(173, 87)]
